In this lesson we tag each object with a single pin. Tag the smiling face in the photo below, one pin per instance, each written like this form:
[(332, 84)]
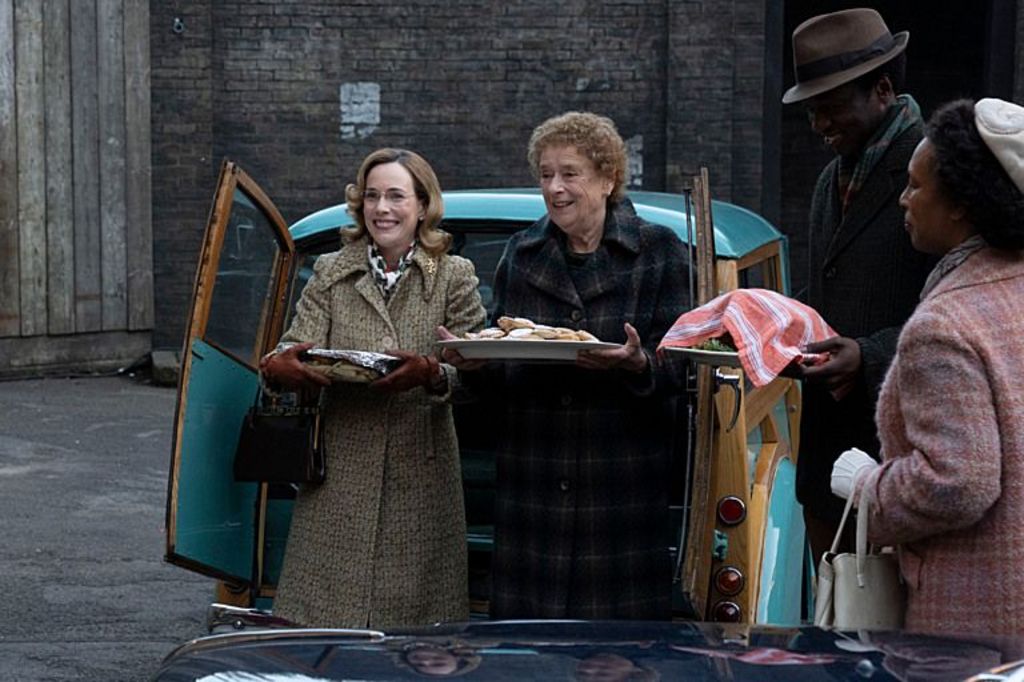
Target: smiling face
[(575, 194), (848, 116), (391, 209), (935, 224)]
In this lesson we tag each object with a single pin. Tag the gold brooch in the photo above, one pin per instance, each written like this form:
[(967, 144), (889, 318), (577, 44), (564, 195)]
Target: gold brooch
[(431, 266)]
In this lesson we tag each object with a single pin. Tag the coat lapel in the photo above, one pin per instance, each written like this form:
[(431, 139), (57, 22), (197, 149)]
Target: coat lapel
[(550, 273), (620, 232), (882, 186), (427, 265), (371, 294), (874, 195), (547, 270), (353, 263)]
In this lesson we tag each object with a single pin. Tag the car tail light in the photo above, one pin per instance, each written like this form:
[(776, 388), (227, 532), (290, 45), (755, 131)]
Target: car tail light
[(731, 510), (729, 580), (726, 612)]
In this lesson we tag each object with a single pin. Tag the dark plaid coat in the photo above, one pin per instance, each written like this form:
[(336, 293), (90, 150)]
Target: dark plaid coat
[(582, 507), (865, 279)]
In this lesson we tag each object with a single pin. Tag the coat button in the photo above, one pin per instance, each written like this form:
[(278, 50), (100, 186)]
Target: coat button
[(830, 273), (566, 400), (563, 485), (388, 343), (576, 315)]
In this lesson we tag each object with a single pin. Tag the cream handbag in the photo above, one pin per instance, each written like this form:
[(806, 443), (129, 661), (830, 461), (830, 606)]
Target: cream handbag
[(861, 591)]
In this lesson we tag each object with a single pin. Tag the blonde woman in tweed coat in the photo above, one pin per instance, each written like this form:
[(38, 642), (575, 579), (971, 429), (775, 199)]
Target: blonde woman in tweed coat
[(382, 542), (950, 490)]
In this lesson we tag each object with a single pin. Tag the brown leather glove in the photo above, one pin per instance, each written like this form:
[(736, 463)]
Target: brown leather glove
[(286, 370), (415, 370)]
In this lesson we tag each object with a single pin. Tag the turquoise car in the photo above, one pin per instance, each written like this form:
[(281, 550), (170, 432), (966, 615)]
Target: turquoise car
[(738, 538)]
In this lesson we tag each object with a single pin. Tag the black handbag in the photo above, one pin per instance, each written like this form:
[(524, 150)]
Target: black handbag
[(280, 444)]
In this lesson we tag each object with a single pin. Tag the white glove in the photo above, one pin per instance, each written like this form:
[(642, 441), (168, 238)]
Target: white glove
[(850, 466)]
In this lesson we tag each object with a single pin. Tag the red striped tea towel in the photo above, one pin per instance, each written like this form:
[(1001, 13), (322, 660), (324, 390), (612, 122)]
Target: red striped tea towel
[(767, 328)]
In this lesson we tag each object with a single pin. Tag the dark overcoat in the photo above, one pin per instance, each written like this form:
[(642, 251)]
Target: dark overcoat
[(865, 279), (582, 505)]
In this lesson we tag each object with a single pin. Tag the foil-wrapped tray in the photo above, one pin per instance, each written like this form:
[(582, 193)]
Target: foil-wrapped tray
[(350, 365)]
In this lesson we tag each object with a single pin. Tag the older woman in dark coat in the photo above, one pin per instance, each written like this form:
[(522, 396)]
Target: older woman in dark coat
[(581, 519)]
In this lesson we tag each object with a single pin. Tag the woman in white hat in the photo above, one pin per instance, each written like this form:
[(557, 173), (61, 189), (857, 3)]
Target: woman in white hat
[(950, 489)]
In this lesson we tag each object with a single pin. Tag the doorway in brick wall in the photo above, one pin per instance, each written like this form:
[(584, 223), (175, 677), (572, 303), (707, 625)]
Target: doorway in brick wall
[(956, 49)]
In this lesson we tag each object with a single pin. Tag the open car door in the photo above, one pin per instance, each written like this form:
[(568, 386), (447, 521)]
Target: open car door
[(745, 548), (215, 525)]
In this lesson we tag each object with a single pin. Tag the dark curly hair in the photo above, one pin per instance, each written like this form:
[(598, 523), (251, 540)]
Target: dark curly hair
[(971, 177)]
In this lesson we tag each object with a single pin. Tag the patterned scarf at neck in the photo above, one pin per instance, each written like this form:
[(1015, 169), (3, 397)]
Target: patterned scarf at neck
[(387, 279), (951, 261), (854, 171)]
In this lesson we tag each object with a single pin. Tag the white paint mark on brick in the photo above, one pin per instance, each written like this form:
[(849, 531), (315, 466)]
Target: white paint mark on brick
[(635, 155), (360, 109)]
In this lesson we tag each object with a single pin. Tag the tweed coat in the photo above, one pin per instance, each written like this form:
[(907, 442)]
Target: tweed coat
[(951, 421), (865, 278), (581, 518), (382, 542)]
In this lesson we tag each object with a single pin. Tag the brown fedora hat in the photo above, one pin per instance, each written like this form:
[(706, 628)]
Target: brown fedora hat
[(832, 49)]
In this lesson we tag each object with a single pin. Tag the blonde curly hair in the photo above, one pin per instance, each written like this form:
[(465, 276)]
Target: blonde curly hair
[(593, 136)]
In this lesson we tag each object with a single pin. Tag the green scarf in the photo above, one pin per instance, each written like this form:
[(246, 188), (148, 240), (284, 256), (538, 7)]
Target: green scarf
[(854, 171)]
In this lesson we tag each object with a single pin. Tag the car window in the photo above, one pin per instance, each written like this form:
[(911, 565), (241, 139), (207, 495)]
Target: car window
[(482, 243), (245, 278), (484, 249)]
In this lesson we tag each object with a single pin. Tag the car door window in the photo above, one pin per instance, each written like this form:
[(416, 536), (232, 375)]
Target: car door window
[(245, 278)]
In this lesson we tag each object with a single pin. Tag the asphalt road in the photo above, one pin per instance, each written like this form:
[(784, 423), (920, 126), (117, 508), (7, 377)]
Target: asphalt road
[(83, 480)]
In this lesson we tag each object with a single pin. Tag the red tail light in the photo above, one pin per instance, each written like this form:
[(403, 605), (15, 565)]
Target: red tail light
[(731, 510), (729, 580), (726, 612)]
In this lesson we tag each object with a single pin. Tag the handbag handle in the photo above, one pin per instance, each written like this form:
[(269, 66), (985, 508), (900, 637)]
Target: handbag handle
[(863, 511), (842, 524), (862, 530), (262, 389)]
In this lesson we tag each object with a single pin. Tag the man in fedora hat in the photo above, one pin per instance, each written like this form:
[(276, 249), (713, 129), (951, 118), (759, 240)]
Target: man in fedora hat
[(864, 276)]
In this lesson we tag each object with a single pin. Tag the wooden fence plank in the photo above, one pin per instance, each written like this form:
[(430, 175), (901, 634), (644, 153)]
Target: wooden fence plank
[(10, 322), (28, 39), (110, 60), (139, 237), (60, 235), (86, 163)]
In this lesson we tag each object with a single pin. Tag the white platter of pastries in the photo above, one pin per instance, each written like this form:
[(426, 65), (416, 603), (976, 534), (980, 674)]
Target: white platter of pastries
[(517, 338)]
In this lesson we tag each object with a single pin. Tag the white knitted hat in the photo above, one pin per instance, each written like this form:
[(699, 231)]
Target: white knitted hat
[(1001, 126)]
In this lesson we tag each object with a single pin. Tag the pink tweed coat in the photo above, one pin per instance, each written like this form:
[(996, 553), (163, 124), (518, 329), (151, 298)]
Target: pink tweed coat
[(951, 423)]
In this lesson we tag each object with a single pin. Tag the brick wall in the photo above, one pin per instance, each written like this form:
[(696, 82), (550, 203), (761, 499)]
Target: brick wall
[(299, 92), (715, 92), (184, 168)]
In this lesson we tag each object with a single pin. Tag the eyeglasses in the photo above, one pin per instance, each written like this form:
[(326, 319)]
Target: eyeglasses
[(394, 197)]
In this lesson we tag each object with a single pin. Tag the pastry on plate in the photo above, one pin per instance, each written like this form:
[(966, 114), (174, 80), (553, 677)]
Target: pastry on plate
[(522, 329)]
